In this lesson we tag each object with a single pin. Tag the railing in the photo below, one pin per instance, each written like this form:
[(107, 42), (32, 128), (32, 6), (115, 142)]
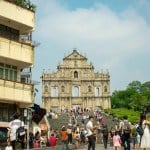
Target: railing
[(20, 92), (17, 51)]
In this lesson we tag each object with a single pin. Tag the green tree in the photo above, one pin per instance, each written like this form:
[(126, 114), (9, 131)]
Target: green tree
[(145, 86), (136, 96), (135, 85), (138, 101), (122, 98)]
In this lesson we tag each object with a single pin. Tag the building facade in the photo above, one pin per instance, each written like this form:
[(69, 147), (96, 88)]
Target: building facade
[(75, 84), (16, 54)]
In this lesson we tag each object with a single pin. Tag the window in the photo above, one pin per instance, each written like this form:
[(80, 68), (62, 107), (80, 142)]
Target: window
[(105, 88), (97, 92), (9, 33), (8, 72), (11, 74), (15, 75), (62, 89), (1, 72), (46, 88), (75, 74), (54, 92), (89, 89), (75, 91), (75, 63)]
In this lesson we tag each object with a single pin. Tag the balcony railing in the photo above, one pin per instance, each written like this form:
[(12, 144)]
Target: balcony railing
[(22, 53), (16, 91)]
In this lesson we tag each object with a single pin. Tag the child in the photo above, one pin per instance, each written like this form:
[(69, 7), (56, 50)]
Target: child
[(8, 147), (77, 139), (110, 136), (117, 141), (52, 140), (37, 140)]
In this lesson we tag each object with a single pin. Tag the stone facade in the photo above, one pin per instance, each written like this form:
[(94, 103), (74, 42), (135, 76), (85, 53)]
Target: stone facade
[(75, 84)]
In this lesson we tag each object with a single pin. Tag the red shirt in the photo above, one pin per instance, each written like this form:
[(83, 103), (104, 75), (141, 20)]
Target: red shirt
[(52, 141)]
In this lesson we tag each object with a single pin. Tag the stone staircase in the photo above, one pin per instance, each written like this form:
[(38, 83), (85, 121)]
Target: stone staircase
[(63, 120), (57, 123)]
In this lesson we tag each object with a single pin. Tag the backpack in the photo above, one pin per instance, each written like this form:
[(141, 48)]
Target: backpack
[(126, 127), (105, 131), (20, 134), (140, 130)]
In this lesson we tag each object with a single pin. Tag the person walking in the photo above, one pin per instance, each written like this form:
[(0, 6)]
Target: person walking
[(125, 129), (136, 138), (110, 136), (105, 135), (90, 128), (117, 141), (64, 138), (13, 126), (69, 132), (77, 139), (52, 140), (37, 140), (145, 139)]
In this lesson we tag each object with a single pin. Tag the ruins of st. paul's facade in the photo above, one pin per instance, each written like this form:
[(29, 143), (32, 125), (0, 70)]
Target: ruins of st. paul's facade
[(75, 84)]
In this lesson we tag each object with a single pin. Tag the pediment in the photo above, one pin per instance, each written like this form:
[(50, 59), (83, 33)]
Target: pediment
[(75, 55)]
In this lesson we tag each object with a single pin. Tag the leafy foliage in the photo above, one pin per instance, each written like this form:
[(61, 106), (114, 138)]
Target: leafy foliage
[(133, 116), (24, 3), (135, 85), (136, 96)]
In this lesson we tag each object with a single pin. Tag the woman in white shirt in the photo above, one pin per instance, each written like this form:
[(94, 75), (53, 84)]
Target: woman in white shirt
[(145, 140)]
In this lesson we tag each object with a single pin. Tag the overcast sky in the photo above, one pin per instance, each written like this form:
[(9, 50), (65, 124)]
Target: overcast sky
[(114, 35)]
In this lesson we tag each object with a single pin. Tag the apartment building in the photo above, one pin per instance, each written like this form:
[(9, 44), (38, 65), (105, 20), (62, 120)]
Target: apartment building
[(17, 21)]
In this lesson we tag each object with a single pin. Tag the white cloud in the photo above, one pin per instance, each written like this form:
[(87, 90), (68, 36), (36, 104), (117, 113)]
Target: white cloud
[(97, 26), (109, 38)]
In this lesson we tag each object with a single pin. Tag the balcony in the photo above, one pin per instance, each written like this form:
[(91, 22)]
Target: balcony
[(18, 17), (16, 92), (16, 53)]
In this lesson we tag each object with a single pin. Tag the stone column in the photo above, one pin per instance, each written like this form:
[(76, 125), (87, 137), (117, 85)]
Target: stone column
[(59, 101), (93, 100), (70, 102), (83, 103)]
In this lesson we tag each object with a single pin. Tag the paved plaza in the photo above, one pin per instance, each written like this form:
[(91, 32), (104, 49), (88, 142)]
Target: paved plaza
[(98, 147)]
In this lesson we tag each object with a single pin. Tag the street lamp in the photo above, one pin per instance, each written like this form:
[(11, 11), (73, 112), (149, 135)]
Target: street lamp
[(27, 114)]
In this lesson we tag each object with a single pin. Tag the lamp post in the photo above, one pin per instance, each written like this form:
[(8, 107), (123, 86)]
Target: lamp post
[(27, 114), (28, 125), (27, 122)]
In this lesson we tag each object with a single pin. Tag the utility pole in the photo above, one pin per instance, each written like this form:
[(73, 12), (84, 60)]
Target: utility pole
[(29, 115), (28, 127)]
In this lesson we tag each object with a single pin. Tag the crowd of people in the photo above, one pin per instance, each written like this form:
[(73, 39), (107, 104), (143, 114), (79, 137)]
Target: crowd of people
[(94, 129), (91, 130)]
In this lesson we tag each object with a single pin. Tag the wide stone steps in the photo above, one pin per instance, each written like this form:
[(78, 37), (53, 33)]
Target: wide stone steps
[(63, 120)]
